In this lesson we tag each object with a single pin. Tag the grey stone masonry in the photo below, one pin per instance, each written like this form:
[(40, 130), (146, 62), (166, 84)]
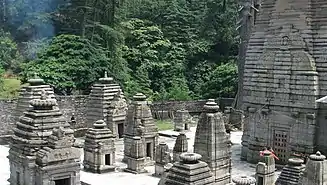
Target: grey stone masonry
[(30, 92), (291, 173), (213, 143), (315, 171), (265, 170), (189, 171), (99, 149), (136, 159), (284, 73), (243, 180), (58, 163), (182, 120), (140, 123), (162, 158), (117, 113), (181, 146), (100, 98), (30, 135)]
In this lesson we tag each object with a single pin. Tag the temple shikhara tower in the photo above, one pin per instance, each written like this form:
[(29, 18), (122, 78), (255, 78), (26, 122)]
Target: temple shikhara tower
[(33, 147), (141, 130), (285, 73), (213, 143), (30, 92), (100, 98)]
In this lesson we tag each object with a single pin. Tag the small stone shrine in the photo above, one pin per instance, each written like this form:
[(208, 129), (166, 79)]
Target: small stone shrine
[(136, 158), (30, 134), (265, 170), (58, 163), (28, 93), (189, 171), (100, 98), (99, 149), (243, 180), (291, 173), (182, 120), (181, 146), (213, 143), (162, 158), (117, 115), (315, 172), (140, 123)]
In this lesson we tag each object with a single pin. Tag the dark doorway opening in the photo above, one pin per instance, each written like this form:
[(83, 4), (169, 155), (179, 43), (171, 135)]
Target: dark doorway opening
[(121, 130), (107, 159), (63, 181), (149, 150), (260, 180), (18, 178), (185, 126)]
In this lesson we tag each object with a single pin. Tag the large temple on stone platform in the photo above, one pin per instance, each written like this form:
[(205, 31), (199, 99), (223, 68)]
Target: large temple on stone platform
[(285, 74)]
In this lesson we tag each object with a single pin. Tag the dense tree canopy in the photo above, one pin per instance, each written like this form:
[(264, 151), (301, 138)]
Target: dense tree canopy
[(167, 49)]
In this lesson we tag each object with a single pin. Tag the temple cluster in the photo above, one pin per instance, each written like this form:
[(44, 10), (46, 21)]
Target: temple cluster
[(42, 148)]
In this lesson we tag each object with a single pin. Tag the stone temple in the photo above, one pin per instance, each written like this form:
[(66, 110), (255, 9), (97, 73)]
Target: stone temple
[(285, 73), (213, 143), (100, 98), (140, 123), (31, 134)]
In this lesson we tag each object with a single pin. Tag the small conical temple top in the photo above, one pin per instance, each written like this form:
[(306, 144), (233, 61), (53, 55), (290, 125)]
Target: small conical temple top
[(211, 106), (317, 157), (36, 80), (243, 180), (100, 124), (44, 103), (139, 97), (106, 79), (190, 158)]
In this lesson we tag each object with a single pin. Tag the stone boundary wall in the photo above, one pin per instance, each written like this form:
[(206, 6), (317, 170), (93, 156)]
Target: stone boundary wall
[(76, 104)]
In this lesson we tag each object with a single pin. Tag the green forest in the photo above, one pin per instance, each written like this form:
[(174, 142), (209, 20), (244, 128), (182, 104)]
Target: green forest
[(166, 49)]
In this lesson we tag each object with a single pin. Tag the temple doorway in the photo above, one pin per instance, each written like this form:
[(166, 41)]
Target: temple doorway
[(149, 150), (121, 130), (185, 126), (107, 159), (63, 181), (260, 180)]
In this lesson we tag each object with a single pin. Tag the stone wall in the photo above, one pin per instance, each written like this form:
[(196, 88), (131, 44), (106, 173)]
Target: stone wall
[(166, 109), (67, 104), (76, 104)]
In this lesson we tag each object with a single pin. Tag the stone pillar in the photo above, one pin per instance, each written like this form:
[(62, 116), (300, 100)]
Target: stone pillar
[(213, 143), (316, 170), (162, 158), (181, 146), (291, 173), (136, 161), (243, 180), (265, 170)]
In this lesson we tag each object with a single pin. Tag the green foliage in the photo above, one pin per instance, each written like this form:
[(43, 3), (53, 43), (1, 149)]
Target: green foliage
[(9, 55), (9, 87), (164, 125), (222, 82), (70, 63), (166, 49)]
